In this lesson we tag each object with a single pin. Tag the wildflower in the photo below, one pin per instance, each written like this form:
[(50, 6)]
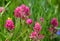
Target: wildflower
[(54, 22), (25, 9), (33, 35), (29, 21), (9, 24), (37, 27), (40, 36), (42, 19), (17, 12), (22, 11)]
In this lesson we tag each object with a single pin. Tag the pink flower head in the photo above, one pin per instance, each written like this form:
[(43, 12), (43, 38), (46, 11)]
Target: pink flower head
[(40, 36), (29, 21), (22, 11), (37, 27), (54, 22), (17, 12), (25, 8), (33, 35), (9, 24), (42, 19), (1, 9)]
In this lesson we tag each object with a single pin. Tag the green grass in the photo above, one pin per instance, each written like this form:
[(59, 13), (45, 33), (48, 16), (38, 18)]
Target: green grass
[(38, 8)]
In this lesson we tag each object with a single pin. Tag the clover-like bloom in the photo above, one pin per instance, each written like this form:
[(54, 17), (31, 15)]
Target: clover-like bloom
[(29, 21), (22, 11), (54, 22), (9, 24), (42, 19), (33, 35), (37, 27)]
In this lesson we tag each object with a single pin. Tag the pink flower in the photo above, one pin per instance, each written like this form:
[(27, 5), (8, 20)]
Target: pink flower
[(29, 21), (42, 19), (22, 11), (54, 22), (25, 8), (33, 35), (37, 27), (17, 12), (9, 24), (40, 36), (1, 9)]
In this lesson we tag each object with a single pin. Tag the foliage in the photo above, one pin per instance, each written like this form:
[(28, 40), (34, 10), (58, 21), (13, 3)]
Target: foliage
[(47, 9)]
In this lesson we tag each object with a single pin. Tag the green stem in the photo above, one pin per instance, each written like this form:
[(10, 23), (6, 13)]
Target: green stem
[(5, 7)]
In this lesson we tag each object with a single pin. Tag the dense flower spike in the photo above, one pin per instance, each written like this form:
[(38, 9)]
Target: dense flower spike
[(54, 22), (9, 24), (58, 32), (33, 35), (42, 19), (22, 11), (1, 9), (37, 27), (29, 21)]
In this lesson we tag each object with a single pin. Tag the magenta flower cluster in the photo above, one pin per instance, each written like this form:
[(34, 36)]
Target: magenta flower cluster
[(35, 34), (37, 27), (42, 19), (29, 21), (9, 24), (22, 11), (54, 22)]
